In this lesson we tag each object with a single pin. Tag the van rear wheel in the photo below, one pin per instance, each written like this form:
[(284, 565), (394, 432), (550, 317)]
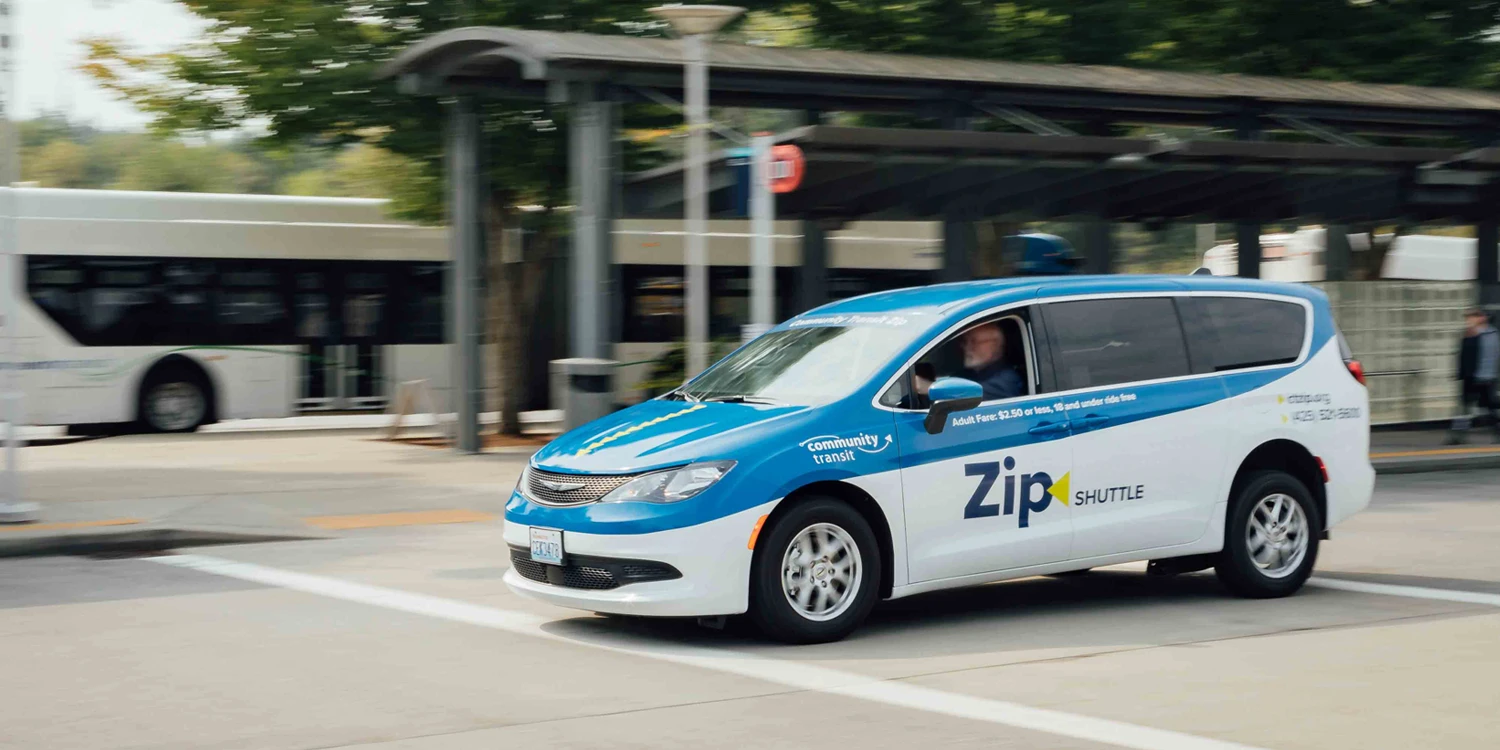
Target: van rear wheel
[(816, 573), (1271, 538)]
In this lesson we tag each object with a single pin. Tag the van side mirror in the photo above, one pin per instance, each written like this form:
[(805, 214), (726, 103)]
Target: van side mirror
[(949, 395)]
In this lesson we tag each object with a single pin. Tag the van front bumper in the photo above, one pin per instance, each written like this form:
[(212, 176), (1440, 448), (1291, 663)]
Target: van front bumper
[(712, 560)]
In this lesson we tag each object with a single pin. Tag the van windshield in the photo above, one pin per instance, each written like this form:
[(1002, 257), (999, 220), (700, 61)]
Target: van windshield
[(807, 366)]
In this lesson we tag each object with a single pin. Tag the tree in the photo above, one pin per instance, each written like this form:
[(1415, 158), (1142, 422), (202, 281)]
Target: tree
[(363, 171), (305, 71), (59, 163), (1415, 42)]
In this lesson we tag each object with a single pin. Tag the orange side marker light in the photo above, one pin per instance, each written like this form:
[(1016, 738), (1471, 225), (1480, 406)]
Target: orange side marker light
[(755, 532)]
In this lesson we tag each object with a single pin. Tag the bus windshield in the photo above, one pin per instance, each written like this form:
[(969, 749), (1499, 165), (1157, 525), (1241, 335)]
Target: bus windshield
[(806, 366)]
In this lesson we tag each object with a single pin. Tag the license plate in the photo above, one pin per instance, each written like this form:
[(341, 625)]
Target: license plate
[(546, 546)]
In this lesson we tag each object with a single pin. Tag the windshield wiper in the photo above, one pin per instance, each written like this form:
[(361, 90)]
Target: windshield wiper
[(682, 396), (742, 399)]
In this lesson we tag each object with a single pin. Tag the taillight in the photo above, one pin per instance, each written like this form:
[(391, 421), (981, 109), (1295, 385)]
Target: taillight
[(1357, 370)]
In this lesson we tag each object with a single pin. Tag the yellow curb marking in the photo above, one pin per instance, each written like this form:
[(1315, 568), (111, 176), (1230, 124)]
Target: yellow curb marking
[(587, 449), (1440, 452), (406, 518), (64, 525)]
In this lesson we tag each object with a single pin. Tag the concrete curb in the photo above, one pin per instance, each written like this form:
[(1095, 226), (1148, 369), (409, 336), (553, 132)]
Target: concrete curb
[(133, 541), (1421, 464)]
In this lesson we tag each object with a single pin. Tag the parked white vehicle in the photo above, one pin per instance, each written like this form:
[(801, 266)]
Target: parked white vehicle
[(1299, 257)]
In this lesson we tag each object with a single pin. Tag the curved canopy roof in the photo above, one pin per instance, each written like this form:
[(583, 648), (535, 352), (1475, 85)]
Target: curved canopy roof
[(513, 58)]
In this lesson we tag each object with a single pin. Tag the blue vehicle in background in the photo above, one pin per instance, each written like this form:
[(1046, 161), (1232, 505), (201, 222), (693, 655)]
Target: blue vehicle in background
[(1045, 255)]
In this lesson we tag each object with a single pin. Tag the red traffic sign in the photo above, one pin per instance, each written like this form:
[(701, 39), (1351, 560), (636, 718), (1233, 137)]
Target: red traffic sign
[(787, 165)]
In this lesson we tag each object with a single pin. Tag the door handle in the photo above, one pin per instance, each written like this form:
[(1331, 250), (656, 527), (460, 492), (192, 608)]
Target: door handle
[(1093, 421), (1049, 428)]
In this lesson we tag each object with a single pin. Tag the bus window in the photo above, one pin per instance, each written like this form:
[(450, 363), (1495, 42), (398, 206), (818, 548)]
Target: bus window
[(252, 304), (123, 304), (310, 306), (421, 317)]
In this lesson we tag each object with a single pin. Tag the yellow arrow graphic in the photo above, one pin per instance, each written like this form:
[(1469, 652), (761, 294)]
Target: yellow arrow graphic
[(1059, 489)]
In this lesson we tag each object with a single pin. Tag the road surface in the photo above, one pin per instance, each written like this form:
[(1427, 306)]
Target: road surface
[(404, 637)]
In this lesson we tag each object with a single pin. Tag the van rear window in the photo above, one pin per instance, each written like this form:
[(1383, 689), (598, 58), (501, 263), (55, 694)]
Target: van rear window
[(1234, 333)]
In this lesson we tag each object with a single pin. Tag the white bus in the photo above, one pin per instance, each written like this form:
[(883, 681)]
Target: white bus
[(1299, 256), (177, 309)]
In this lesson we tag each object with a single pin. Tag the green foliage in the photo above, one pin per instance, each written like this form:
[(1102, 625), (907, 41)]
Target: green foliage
[(365, 171), (305, 69), (56, 153), (1416, 42)]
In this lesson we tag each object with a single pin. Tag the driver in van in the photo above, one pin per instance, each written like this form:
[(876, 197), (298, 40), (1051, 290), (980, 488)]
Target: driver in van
[(984, 363)]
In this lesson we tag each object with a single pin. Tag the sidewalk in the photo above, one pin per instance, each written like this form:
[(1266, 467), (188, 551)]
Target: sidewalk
[(160, 491)]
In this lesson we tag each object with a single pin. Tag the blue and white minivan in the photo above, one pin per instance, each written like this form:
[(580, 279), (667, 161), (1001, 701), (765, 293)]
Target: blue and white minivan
[(957, 434)]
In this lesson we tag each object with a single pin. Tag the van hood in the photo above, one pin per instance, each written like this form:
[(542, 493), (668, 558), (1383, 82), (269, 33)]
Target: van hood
[(659, 433)]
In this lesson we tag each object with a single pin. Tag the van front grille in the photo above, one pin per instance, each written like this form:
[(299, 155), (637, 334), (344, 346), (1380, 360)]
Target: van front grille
[(553, 488)]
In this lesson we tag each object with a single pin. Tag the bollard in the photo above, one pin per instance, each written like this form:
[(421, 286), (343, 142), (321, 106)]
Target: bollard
[(12, 508)]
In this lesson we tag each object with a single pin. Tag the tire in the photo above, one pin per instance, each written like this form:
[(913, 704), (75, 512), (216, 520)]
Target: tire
[(1254, 568), (827, 611), (173, 399)]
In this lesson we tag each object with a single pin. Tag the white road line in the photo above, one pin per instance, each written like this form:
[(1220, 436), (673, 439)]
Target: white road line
[(1412, 592), (787, 673)]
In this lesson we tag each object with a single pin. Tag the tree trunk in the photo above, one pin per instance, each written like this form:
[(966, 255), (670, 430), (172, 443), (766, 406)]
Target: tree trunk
[(990, 260), (516, 271)]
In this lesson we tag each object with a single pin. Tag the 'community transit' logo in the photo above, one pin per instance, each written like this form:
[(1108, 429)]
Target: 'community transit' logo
[(1030, 493), (832, 449)]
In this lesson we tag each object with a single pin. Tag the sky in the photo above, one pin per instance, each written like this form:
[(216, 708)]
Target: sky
[(48, 53)]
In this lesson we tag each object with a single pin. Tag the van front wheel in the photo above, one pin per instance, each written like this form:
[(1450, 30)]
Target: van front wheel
[(1271, 538), (815, 574)]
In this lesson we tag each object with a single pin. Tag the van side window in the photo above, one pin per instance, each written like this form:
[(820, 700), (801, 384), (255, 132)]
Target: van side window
[(1107, 341), (999, 358), (1233, 333)]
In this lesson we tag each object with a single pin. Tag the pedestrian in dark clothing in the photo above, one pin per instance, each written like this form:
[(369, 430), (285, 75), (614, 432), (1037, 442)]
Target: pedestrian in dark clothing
[(1478, 366)]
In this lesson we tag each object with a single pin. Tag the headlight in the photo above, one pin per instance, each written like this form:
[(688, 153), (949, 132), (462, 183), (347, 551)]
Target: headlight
[(671, 485)]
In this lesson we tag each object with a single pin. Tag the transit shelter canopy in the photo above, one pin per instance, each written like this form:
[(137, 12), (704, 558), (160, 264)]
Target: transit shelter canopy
[(522, 61)]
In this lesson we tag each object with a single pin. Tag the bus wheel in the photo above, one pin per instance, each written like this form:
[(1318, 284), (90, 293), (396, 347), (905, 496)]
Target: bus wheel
[(173, 400)]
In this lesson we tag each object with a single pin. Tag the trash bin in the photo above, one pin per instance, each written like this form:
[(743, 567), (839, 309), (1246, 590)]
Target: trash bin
[(583, 389)]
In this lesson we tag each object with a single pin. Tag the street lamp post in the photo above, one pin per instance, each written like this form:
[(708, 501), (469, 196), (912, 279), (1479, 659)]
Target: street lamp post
[(12, 508), (697, 25)]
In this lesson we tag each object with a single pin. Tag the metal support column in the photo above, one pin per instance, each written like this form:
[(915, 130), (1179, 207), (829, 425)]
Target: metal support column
[(1488, 233), (695, 204), (466, 246), (959, 242), (1098, 246), (591, 167), (1247, 235), (812, 287), (762, 242), (1337, 255)]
